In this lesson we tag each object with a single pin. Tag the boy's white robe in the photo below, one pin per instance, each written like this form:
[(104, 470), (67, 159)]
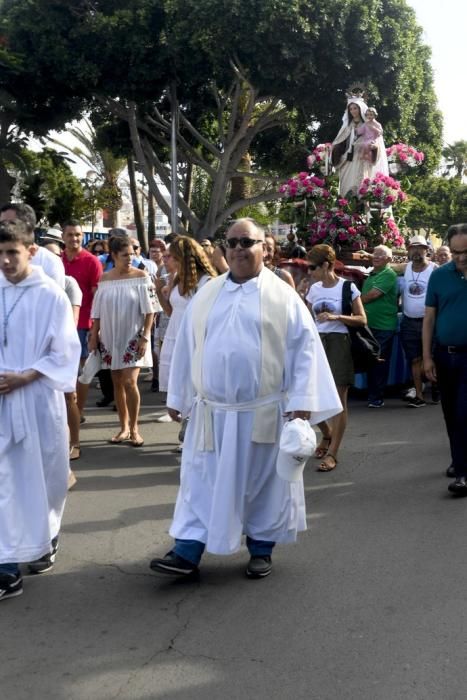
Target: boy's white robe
[(234, 488), (34, 453)]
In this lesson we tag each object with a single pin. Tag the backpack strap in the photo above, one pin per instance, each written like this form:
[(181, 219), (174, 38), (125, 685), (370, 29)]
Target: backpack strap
[(346, 299)]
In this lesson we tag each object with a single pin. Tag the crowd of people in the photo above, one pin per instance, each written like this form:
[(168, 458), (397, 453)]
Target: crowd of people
[(241, 344)]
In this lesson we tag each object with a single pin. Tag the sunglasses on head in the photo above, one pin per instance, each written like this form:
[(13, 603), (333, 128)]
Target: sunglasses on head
[(244, 242)]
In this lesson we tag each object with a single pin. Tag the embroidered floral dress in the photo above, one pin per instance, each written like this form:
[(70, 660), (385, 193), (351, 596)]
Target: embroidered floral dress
[(121, 306)]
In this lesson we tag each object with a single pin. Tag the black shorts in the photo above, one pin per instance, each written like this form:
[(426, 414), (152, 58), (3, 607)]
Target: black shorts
[(411, 337)]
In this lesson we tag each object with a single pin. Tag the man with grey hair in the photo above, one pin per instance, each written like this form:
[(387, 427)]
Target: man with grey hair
[(443, 255), (379, 297), (247, 353)]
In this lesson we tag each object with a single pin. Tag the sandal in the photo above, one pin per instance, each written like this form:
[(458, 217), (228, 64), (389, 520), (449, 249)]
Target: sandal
[(325, 466), (322, 448), (75, 452), (119, 438), (136, 440)]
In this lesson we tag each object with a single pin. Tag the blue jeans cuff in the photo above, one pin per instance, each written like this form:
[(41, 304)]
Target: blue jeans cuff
[(259, 548), (191, 550)]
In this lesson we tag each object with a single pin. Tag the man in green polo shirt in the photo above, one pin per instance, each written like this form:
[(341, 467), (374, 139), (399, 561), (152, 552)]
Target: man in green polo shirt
[(379, 297), (445, 321)]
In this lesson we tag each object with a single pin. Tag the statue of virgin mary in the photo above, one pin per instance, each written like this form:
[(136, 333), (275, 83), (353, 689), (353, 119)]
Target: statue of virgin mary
[(348, 155)]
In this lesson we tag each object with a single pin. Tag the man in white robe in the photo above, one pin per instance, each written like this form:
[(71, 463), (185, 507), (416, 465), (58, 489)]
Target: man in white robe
[(50, 263), (39, 357), (246, 354)]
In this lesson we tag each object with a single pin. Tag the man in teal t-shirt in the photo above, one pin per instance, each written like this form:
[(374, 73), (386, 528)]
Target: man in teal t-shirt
[(379, 297), (445, 321)]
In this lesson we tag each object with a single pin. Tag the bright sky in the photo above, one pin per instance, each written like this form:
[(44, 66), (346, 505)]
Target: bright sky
[(445, 26)]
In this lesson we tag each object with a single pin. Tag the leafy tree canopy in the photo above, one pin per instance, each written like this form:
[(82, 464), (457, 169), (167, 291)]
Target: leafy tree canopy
[(257, 82)]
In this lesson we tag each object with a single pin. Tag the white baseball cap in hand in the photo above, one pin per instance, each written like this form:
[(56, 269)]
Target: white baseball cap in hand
[(91, 367), (297, 443)]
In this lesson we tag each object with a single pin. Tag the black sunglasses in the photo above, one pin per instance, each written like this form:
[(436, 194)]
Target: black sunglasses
[(244, 242), (136, 247), (312, 267)]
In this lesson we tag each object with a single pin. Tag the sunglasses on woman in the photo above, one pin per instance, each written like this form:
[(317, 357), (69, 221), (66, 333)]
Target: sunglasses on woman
[(244, 242), (313, 267), (98, 251)]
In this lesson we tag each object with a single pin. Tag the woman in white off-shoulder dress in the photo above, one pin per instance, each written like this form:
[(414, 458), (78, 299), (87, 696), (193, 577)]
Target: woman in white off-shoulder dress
[(122, 313)]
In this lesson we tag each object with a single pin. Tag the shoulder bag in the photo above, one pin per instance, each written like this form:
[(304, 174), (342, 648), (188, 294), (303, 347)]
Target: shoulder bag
[(365, 348)]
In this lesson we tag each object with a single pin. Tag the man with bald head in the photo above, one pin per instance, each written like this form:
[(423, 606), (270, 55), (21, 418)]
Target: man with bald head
[(379, 297), (247, 353)]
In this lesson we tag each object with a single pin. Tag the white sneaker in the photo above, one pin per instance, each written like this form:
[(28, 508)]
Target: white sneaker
[(165, 418)]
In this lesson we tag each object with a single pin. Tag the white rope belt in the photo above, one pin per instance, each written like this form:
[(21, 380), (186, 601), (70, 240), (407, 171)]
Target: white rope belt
[(204, 408)]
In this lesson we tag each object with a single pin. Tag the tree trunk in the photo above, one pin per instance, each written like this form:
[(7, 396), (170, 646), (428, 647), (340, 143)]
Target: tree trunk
[(151, 216), (135, 201), (241, 186), (7, 183), (187, 193)]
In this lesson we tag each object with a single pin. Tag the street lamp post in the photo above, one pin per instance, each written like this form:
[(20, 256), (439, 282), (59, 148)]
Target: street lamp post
[(91, 179)]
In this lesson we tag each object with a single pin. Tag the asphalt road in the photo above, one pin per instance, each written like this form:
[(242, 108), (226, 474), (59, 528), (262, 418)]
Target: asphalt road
[(369, 605)]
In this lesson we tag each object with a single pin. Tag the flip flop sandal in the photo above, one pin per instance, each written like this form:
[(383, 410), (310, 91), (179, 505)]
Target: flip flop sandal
[(136, 441), (120, 438), (75, 452), (325, 466), (322, 449)]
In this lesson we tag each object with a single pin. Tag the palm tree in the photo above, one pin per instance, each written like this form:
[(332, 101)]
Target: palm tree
[(455, 155), (101, 161)]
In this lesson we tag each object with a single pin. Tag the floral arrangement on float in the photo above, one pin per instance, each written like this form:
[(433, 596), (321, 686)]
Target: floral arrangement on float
[(346, 224), (382, 191), (320, 158), (339, 226), (401, 157), (304, 186)]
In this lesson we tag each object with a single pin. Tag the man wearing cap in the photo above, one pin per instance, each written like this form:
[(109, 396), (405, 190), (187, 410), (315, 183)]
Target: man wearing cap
[(446, 322), (247, 353), (414, 286)]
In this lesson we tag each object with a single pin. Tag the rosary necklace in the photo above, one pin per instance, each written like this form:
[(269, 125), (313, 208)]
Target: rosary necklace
[(7, 314)]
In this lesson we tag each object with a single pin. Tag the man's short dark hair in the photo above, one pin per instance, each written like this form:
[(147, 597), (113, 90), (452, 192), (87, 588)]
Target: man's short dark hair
[(71, 222), (24, 213), (16, 232), (455, 229)]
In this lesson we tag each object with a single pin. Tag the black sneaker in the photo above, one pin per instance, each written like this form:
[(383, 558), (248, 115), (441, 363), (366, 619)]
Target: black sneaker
[(10, 586), (458, 487), (377, 403), (173, 565), (416, 403), (259, 567), (435, 395), (45, 563)]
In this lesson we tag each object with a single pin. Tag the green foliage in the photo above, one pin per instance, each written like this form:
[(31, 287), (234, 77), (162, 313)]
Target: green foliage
[(455, 156), (51, 188), (293, 58), (436, 203)]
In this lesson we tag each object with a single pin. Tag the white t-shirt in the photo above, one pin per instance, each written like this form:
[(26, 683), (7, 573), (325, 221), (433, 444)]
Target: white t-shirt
[(414, 290), (51, 264), (329, 299)]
